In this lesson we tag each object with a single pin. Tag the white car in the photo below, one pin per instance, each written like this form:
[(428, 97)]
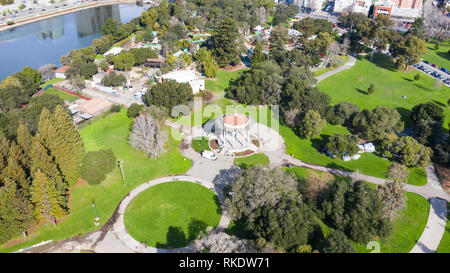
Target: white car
[(209, 155)]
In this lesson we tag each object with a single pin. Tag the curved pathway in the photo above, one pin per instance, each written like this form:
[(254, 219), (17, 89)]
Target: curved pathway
[(351, 62), (119, 225)]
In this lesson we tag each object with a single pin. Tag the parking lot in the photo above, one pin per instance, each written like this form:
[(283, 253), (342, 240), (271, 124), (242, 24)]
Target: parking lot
[(434, 71)]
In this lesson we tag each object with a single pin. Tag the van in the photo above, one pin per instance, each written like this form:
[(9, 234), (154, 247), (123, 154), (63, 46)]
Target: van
[(209, 155)]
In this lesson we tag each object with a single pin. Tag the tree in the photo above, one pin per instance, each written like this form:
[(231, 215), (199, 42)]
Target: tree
[(342, 113), (260, 85), (371, 89), (341, 145), (278, 39), (288, 224), (124, 61), (428, 131), (147, 136), (315, 185), (337, 242), (374, 124), (149, 18), (258, 55), (311, 125), (102, 44), (356, 210), (417, 77), (411, 51), (46, 198), (63, 142), (427, 110), (134, 110), (225, 42), (114, 79), (169, 94), (221, 242), (141, 55), (392, 193), (260, 187), (407, 151)]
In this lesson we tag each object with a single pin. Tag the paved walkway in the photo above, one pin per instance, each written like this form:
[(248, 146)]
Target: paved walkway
[(351, 62), (119, 225)]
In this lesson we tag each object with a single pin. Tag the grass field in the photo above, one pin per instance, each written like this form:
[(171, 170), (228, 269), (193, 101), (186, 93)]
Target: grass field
[(172, 214), (444, 245), (406, 227), (390, 86), (63, 95), (110, 132), (440, 56), (222, 80), (252, 160), (200, 144)]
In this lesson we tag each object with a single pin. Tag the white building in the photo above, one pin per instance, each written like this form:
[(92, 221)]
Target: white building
[(189, 76), (310, 4), (360, 6)]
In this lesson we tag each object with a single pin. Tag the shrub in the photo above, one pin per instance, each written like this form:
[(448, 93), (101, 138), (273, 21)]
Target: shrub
[(134, 110), (96, 165), (200, 144), (113, 79), (341, 145), (417, 77), (115, 108), (371, 89)]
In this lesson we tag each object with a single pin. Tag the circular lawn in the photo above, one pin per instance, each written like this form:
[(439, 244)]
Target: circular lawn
[(172, 214)]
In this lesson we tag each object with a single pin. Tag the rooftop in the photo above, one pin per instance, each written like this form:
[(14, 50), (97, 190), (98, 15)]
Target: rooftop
[(62, 69), (235, 119)]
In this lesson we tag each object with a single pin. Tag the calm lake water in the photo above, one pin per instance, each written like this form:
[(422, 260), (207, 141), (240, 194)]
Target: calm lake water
[(44, 42)]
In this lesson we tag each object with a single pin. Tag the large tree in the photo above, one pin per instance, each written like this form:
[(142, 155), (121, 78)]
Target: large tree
[(407, 151), (169, 94), (337, 242), (376, 123), (147, 135), (225, 41), (311, 125)]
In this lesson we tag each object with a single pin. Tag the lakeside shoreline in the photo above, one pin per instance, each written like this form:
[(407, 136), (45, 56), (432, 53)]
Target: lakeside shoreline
[(33, 19)]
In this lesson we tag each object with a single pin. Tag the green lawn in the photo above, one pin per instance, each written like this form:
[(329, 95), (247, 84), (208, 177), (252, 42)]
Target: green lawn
[(406, 227), (351, 85), (252, 160), (172, 214), (200, 144), (222, 80), (440, 56), (51, 81), (341, 61), (444, 245), (110, 132), (63, 95)]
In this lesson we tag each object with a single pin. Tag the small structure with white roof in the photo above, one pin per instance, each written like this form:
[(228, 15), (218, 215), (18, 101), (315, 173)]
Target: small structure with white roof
[(186, 76)]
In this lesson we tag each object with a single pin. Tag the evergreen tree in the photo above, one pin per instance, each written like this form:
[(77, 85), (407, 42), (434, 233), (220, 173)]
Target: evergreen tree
[(24, 139), (277, 41), (14, 171), (258, 55), (311, 125), (63, 142), (225, 42), (46, 198), (4, 146), (15, 211), (41, 160), (371, 89)]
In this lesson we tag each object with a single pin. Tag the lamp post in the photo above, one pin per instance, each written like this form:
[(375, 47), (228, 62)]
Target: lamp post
[(96, 216), (120, 164)]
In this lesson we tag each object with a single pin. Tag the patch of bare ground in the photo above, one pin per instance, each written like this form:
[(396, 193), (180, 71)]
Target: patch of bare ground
[(444, 176)]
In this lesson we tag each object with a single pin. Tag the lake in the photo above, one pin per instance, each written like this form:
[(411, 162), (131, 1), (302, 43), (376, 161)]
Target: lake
[(45, 41)]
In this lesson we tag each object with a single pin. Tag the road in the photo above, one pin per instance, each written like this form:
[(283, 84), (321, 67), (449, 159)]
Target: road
[(437, 70)]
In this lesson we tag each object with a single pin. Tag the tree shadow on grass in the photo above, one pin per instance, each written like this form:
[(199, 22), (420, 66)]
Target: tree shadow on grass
[(362, 91), (439, 103), (444, 55), (175, 238), (383, 61), (195, 228), (334, 165), (406, 79), (405, 116), (239, 229)]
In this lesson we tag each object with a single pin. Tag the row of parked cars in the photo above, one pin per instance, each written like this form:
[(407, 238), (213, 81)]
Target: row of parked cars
[(444, 76)]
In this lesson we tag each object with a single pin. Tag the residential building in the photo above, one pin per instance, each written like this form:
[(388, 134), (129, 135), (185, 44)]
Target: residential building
[(310, 4), (360, 6), (382, 8), (60, 72), (183, 76)]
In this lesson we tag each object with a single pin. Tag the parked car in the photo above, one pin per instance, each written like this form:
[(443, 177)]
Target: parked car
[(209, 155), (434, 65), (444, 69), (427, 62)]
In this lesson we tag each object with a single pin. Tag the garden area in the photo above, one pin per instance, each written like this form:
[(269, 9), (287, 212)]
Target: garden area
[(109, 132), (172, 214), (63, 95), (390, 86), (444, 246)]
